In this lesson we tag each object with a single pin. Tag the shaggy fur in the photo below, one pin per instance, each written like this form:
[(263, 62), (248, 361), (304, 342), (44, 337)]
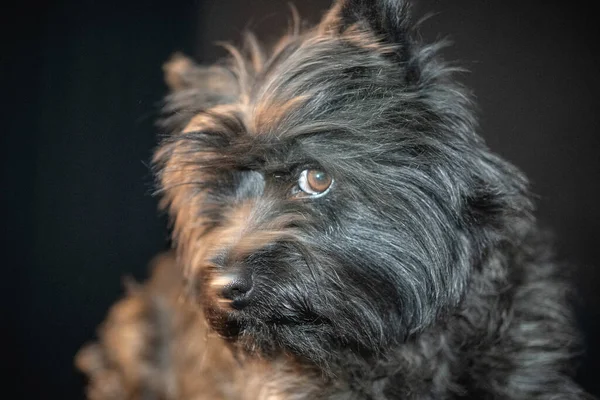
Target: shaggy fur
[(419, 273)]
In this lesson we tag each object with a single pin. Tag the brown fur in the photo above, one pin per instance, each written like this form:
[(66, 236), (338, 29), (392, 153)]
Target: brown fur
[(155, 344)]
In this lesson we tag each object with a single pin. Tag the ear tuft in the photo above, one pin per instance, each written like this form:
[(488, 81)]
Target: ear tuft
[(179, 71), (194, 88), (387, 19)]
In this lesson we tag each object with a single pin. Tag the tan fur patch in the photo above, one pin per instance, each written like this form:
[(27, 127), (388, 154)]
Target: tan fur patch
[(269, 112), (209, 118)]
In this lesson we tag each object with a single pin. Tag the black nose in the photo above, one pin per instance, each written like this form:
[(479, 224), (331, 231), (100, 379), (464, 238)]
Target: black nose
[(238, 288)]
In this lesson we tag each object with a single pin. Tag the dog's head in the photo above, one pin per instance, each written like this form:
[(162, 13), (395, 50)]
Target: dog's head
[(330, 192)]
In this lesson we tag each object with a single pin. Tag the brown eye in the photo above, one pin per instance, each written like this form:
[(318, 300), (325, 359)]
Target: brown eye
[(314, 182)]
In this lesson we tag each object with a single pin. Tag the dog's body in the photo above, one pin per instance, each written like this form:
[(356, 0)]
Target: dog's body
[(343, 233)]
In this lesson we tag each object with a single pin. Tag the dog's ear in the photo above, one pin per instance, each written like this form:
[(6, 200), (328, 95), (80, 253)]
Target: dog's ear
[(389, 20), (194, 88), (182, 73)]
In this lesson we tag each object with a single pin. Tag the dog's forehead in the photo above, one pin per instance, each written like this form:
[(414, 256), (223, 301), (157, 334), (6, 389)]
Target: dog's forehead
[(304, 86), (264, 120), (322, 81)]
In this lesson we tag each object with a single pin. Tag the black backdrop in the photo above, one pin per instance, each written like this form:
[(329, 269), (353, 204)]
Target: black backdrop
[(81, 81)]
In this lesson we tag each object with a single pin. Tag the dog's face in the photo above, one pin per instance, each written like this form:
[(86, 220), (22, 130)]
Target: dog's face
[(332, 192)]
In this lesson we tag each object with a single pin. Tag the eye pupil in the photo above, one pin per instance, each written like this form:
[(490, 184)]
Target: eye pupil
[(317, 178)]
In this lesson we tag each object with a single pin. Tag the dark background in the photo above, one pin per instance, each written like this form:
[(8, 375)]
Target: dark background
[(81, 82)]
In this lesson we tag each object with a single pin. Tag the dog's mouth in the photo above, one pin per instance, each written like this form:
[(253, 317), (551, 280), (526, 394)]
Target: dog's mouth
[(233, 311), (226, 322)]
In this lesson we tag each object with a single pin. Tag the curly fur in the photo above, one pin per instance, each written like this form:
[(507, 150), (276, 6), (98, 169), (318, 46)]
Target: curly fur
[(421, 274)]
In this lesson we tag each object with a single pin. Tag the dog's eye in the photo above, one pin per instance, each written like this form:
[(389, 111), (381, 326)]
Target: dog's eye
[(314, 182)]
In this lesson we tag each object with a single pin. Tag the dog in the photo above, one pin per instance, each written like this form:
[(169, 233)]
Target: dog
[(340, 231)]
